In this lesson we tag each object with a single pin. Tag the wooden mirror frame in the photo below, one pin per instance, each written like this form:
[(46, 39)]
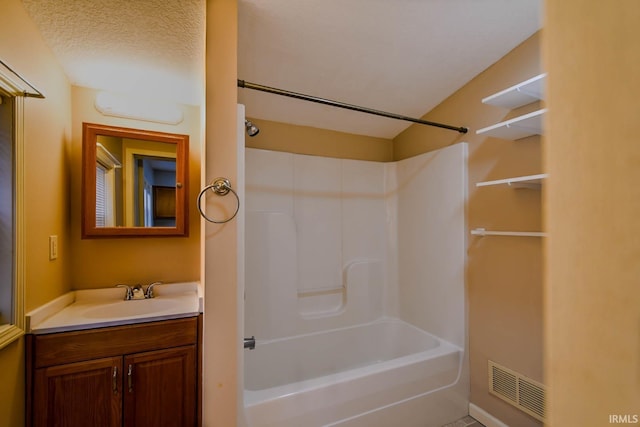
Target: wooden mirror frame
[(90, 134)]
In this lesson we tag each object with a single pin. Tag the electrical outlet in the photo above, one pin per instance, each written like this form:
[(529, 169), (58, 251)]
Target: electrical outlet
[(53, 247)]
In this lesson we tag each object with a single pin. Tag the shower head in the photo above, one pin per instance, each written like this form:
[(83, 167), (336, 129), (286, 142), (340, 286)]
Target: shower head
[(252, 130)]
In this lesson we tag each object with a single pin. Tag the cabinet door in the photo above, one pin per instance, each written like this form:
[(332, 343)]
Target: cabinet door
[(79, 394), (160, 388)]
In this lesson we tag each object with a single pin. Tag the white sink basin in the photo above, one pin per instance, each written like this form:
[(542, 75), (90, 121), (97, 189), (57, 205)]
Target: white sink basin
[(143, 307), (94, 308)]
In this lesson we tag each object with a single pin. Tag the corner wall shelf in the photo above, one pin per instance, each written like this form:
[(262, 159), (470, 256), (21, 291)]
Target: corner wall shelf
[(533, 182), (484, 232), (516, 128), (529, 124), (521, 94)]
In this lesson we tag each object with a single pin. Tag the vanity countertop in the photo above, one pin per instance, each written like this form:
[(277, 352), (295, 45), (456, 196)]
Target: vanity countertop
[(97, 308)]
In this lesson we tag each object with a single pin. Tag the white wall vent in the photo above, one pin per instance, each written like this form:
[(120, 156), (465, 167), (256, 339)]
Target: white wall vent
[(518, 390)]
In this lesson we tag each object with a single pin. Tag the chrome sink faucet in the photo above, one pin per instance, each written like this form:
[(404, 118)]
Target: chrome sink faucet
[(149, 292), (128, 295), (136, 291)]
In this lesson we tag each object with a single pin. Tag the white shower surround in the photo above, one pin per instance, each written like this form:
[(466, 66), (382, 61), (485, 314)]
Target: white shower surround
[(333, 243)]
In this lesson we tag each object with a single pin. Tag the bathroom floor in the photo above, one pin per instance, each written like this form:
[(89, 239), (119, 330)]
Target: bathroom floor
[(464, 422)]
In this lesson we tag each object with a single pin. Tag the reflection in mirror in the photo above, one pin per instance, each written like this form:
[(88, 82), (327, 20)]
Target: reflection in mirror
[(137, 181), (129, 200)]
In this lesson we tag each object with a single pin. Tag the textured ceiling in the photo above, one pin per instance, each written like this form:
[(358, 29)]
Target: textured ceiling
[(151, 48), (401, 56)]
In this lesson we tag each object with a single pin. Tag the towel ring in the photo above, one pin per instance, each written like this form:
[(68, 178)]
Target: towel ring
[(221, 187)]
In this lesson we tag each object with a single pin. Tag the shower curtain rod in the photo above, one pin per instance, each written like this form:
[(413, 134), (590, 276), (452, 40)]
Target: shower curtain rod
[(249, 85)]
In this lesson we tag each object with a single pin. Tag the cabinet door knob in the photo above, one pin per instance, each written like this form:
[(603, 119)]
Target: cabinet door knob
[(130, 378), (115, 380)]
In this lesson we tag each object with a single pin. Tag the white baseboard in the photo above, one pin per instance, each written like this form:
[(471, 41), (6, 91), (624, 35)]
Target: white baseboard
[(484, 417)]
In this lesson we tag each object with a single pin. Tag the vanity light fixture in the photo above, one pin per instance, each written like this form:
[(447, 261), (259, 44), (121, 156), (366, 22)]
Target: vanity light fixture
[(111, 104)]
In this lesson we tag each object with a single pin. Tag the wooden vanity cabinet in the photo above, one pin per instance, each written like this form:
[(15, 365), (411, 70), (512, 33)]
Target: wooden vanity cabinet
[(133, 376), (76, 394), (160, 388)]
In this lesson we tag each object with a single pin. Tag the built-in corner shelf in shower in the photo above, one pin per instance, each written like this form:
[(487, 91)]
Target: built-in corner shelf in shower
[(519, 127), (521, 94), (485, 232), (533, 182)]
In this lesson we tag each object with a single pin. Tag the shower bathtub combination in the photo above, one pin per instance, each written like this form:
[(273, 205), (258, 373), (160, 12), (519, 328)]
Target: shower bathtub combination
[(354, 290), (318, 378)]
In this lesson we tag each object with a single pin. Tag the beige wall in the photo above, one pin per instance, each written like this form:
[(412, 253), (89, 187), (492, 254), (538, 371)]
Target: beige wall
[(12, 388), (221, 331), (592, 210), (320, 142), (106, 262), (504, 274), (47, 136)]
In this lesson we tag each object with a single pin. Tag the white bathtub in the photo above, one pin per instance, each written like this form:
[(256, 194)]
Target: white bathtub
[(351, 376)]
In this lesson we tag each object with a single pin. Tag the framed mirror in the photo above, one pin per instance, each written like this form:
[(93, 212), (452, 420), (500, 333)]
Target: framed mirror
[(134, 182)]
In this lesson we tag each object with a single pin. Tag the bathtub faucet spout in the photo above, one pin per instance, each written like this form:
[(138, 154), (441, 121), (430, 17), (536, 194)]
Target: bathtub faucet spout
[(250, 343)]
